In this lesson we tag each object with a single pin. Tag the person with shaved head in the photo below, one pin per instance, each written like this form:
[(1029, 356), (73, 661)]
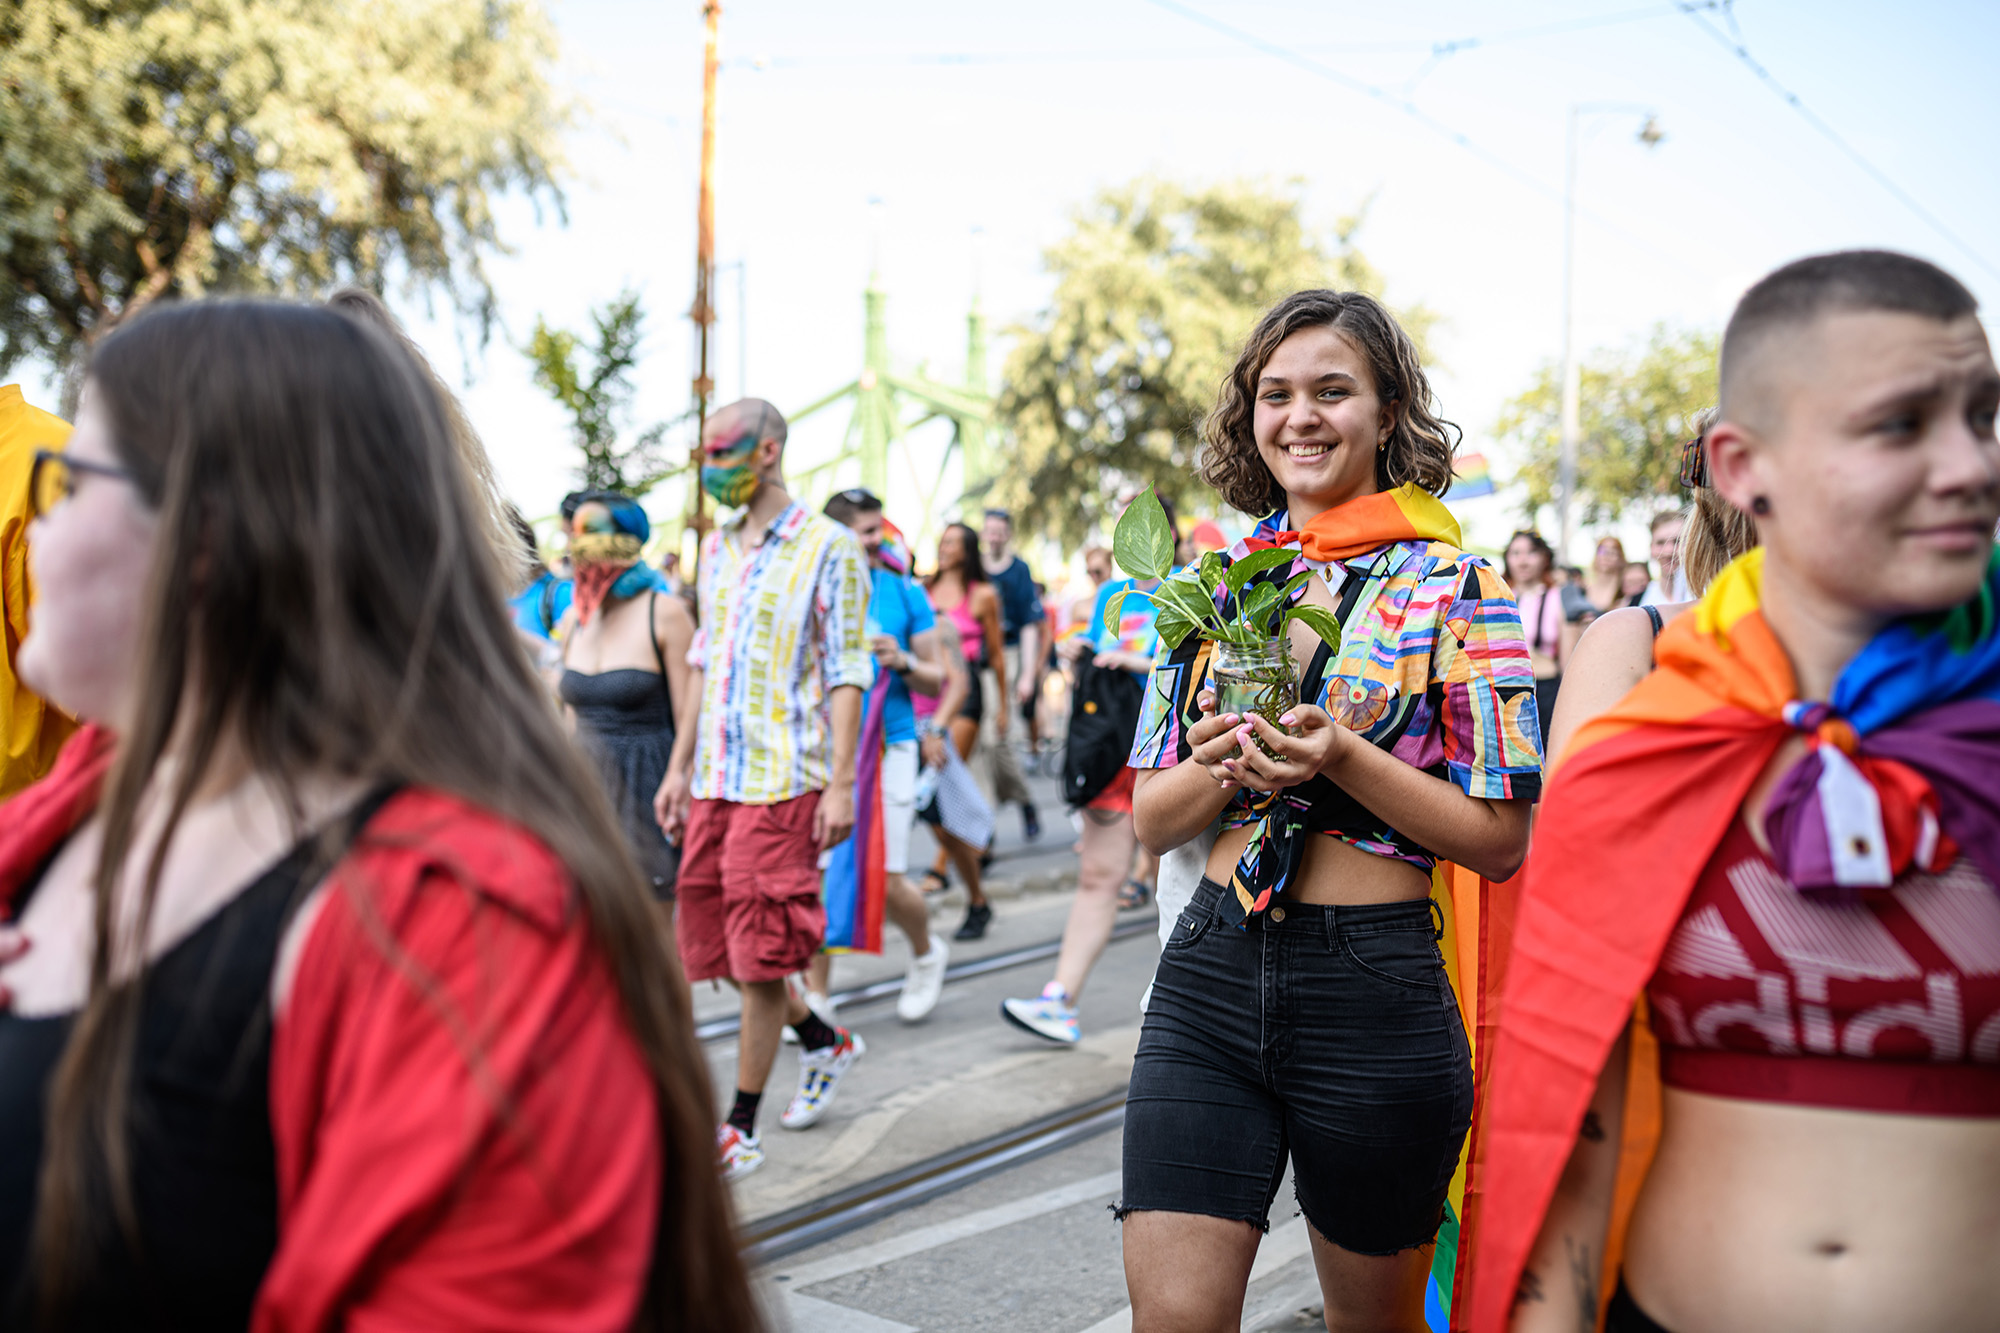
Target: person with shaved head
[(1786, 840), (761, 780)]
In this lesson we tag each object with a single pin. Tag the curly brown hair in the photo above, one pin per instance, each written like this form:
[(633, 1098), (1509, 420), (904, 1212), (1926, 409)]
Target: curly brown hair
[(1420, 445)]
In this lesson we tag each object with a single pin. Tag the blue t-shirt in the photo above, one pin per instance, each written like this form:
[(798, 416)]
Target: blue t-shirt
[(1135, 621), (1020, 604), (544, 600), (897, 607)]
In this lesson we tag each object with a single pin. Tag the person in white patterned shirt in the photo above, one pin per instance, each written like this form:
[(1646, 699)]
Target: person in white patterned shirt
[(761, 782)]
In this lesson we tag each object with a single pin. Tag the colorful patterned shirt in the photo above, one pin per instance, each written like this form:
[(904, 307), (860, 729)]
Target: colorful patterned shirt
[(781, 628), (1433, 667)]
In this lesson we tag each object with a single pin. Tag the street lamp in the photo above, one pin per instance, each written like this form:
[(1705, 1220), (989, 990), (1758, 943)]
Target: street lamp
[(1650, 135)]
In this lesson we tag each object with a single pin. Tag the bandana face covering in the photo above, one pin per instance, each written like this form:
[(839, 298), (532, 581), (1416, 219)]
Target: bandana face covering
[(605, 551), (727, 475)]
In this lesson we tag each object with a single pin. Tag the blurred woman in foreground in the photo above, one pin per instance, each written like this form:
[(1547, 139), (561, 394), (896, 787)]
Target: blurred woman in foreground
[(341, 1004)]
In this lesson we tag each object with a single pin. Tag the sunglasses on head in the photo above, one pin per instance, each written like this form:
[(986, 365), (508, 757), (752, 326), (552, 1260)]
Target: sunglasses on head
[(859, 495)]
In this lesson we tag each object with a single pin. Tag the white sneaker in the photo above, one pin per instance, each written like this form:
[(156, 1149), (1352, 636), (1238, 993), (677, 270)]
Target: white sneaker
[(819, 1078), (1052, 1015), (924, 982), (740, 1153)]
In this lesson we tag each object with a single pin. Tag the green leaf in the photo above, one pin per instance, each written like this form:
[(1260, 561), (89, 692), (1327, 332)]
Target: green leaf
[(1186, 598), (1255, 563), (1256, 607), (1173, 627), (1143, 543), (1113, 610), (1319, 620), (1296, 582), (1210, 571)]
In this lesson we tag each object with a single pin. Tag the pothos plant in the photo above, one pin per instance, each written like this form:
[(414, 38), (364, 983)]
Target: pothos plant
[(1217, 600)]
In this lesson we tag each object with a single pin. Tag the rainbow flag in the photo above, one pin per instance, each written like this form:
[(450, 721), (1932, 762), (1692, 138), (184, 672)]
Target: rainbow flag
[(1472, 477), (855, 884)]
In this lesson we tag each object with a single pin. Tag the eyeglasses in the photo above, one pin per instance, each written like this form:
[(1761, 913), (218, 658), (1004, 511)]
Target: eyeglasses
[(52, 479), (1694, 464)]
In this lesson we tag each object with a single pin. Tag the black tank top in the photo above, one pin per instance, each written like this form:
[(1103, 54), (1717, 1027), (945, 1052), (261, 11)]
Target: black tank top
[(204, 1170)]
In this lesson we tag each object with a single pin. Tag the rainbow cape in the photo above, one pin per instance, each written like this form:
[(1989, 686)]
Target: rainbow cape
[(1901, 758), (855, 884)]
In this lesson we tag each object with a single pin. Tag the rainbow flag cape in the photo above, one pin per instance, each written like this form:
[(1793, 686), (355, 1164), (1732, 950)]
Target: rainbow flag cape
[(1901, 755), (855, 884)]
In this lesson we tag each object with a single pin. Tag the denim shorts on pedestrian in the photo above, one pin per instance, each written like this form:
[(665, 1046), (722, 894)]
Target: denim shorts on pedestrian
[(1326, 1034)]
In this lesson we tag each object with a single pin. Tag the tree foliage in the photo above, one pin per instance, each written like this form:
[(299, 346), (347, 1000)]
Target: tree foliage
[(154, 148), (1636, 409), (1155, 290), (598, 396)]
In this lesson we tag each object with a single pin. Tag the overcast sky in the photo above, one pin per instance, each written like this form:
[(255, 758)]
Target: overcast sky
[(980, 127)]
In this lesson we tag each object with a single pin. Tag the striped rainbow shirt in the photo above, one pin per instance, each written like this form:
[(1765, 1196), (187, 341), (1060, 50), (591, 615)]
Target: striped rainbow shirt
[(781, 627)]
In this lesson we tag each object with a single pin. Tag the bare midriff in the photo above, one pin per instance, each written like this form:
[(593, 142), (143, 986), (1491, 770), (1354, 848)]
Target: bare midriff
[(1771, 1217), (1331, 872)]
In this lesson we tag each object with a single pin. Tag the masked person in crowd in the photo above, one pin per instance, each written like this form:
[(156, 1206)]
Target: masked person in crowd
[(624, 653), (762, 779), (1301, 1008), (1785, 839), (343, 1006)]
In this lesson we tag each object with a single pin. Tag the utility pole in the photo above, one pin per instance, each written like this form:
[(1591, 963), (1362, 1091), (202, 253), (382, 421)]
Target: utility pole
[(703, 313), (1650, 135)]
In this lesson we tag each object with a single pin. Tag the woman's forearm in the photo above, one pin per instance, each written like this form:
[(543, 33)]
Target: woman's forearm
[(1486, 836), (1171, 805), (1561, 1285)]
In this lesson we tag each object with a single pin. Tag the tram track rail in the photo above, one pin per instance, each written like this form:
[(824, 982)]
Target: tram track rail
[(803, 1226), (718, 1029)]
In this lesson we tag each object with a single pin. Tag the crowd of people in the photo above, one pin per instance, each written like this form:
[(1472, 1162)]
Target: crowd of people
[(1610, 948)]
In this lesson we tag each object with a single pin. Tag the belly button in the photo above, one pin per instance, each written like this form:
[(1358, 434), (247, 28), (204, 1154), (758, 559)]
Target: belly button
[(1830, 1249)]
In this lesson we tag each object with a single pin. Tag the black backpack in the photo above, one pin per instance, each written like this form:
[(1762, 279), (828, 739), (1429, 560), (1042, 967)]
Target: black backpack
[(1102, 718)]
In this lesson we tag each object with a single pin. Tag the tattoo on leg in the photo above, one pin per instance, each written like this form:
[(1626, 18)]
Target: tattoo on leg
[(1529, 1290), (1583, 1280), (1593, 1128)]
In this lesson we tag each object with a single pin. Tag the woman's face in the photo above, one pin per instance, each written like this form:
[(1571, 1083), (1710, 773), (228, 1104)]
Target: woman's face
[(1610, 557), (951, 549), (90, 556), (1637, 579), (1526, 565), (1875, 455), (1319, 421)]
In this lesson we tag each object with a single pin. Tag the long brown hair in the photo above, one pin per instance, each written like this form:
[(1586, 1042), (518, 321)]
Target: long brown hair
[(322, 594), (1420, 445)]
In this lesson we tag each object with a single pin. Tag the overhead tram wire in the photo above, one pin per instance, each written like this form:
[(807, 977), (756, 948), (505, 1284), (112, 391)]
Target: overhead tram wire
[(1377, 93), (1736, 48)]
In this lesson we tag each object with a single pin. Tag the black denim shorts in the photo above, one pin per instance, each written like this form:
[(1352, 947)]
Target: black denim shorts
[(1329, 1034)]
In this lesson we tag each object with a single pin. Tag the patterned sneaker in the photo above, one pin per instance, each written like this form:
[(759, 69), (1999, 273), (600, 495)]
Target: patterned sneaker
[(1052, 1016), (740, 1153), (924, 982), (819, 1079)]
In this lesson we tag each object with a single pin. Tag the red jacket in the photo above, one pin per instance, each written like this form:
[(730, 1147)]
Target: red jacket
[(466, 1132)]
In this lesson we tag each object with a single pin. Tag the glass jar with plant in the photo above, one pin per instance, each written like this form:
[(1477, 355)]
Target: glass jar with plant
[(1220, 600)]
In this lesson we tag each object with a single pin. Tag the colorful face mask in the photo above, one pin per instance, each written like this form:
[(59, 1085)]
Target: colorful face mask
[(727, 475)]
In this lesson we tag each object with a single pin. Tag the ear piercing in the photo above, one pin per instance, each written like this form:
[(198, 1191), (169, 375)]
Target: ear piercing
[(1760, 506)]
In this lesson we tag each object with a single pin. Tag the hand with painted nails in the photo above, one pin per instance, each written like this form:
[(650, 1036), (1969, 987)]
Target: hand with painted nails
[(1214, 740), (1303, 749)]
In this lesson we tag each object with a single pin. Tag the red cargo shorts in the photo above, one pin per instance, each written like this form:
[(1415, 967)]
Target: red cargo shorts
[(749, 890)]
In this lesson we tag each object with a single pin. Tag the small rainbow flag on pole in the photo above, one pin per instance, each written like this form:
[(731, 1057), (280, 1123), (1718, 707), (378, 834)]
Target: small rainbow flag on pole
[(855, 884), (1472, 478)]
